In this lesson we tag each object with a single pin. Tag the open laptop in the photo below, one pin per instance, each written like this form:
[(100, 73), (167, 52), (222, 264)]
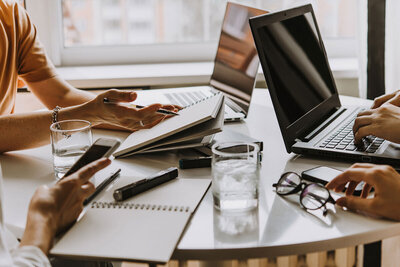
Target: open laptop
[(235, 69), (304, 94)]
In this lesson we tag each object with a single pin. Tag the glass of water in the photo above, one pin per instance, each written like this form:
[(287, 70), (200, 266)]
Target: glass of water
[(69, 140), (235, 172)]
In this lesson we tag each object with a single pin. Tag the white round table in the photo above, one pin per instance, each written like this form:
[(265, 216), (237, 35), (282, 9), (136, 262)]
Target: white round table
[(278, 227)]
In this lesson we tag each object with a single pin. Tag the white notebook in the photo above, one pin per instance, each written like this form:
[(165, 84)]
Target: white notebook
[(146, 227), (196, 114)]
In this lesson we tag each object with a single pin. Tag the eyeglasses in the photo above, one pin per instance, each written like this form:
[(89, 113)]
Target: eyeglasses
[(312, 197)]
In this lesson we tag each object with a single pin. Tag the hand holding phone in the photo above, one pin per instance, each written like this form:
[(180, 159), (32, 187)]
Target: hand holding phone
[(101, 148)]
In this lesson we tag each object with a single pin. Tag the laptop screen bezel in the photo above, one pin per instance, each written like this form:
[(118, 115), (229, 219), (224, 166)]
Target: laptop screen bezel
[(303, 125)]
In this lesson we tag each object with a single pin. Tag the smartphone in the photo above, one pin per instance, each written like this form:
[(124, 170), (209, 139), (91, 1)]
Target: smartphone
[(324, 175), (101, 148), (321, 174)]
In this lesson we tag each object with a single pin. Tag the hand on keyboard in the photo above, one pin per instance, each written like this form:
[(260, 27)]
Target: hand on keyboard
[(383, 122)]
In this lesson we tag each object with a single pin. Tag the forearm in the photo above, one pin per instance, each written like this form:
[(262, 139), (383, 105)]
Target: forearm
[(57, 92), (29, 130)]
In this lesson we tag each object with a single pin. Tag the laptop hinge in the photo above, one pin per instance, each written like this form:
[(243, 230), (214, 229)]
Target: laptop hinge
[(323, 125)]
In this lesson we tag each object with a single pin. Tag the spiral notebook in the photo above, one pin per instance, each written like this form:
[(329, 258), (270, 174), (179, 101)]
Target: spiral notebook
[(196, 115), (145, 228)]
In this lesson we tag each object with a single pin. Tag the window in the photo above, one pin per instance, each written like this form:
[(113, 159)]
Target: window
[(129, 31)]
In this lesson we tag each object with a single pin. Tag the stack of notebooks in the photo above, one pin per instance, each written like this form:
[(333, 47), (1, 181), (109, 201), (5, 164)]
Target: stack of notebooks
[(193, 127)]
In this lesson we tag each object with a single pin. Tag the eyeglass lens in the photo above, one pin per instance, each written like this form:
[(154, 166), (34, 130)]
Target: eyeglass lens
[(314, 196), (287, 183)]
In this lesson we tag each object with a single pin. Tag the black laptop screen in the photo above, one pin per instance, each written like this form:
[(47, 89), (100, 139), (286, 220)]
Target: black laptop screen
[(297, 63)]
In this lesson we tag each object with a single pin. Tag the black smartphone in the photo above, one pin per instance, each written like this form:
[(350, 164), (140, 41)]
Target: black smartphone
[(324, 175), (101, 148), (320, 174)]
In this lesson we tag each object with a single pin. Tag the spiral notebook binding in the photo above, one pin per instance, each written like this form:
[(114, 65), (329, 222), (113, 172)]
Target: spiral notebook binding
[(138, 206), (203, 99)]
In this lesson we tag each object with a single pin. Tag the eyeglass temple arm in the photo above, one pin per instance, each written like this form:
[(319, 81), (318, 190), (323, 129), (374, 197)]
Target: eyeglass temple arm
[(320, 199), (294, 191)]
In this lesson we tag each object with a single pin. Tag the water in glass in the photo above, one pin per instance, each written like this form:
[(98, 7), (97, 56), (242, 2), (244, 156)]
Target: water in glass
[(235, 184), (65, 157)]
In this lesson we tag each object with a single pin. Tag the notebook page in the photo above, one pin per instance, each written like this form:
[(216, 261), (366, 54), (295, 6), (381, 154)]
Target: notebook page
[(149, 231), (123, 234)]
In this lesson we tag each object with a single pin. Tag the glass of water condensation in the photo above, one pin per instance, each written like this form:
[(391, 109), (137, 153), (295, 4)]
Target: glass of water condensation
[(235, 175), (69, 140)]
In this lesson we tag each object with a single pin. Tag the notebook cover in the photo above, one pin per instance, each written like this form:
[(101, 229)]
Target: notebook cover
[(193, 115)]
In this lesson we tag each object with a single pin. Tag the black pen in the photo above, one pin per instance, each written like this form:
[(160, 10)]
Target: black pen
[(143, 185), (101, 186), (161, 111)]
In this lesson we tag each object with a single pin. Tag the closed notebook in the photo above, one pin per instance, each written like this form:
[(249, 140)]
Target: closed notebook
[(199, 114), (146, 227), (196, 136)]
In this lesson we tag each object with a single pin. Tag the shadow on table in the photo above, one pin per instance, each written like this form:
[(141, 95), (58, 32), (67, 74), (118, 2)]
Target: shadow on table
[(150, 163), (16, 166)]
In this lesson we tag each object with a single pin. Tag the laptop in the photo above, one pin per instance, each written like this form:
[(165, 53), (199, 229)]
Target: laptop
[(235, 69), (303, 91)]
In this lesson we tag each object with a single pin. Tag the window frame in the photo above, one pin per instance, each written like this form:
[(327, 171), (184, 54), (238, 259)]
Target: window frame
[(47, 16)]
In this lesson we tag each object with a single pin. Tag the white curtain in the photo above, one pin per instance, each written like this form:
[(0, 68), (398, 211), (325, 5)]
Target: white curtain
[(392, 42)]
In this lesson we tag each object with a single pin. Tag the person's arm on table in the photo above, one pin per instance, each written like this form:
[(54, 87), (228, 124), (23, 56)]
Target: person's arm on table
[(55, 91), (385, 181), (32, 129)]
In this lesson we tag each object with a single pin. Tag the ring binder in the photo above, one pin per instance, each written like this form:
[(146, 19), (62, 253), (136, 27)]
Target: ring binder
[(136, 206)]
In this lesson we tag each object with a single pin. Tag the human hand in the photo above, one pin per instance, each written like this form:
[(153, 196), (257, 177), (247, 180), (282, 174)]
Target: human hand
[(384, 179), (392, 98), (122, 115), (383, 122), (53, 209)]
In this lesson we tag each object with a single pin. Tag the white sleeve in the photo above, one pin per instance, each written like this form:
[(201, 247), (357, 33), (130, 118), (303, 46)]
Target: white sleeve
[(11, 254), (29, 256)]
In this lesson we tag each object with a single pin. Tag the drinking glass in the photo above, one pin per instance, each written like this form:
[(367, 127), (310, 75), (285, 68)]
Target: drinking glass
[(69, 140), (235, 174)]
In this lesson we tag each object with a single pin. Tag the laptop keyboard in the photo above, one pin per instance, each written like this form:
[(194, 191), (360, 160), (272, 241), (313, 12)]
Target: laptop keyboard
[(343, 139), (185, 99)]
